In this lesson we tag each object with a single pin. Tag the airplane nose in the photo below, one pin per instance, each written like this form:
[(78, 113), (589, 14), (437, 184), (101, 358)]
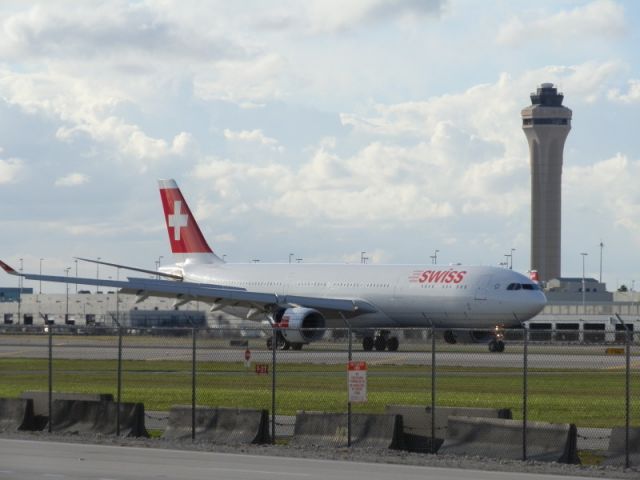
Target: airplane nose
[(537, 303)]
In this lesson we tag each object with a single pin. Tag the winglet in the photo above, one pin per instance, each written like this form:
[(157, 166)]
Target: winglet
[(8, 269)]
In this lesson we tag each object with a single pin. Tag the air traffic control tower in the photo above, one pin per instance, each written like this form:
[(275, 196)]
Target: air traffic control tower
[(546, 123)]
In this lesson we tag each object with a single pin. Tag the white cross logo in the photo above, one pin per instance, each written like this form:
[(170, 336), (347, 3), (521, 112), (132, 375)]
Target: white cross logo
[(177, 220)]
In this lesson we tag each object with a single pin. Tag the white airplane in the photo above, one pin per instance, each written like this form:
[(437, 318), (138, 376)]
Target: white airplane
[(302, 300)]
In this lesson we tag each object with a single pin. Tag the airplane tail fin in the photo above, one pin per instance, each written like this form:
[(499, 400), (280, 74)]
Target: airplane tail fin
[(187, 242)]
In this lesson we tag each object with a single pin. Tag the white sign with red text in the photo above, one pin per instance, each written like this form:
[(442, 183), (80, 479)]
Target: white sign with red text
[(357, 381)]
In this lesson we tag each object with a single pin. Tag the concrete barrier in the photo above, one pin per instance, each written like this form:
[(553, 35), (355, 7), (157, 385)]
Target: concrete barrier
[(616, 451), (416, 423), (82, 416), (498, 438), (41, 402), (16, 414), (330, 429), (219, 425)]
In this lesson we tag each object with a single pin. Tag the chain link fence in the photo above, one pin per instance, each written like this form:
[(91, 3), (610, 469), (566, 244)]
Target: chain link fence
[(587, 379)]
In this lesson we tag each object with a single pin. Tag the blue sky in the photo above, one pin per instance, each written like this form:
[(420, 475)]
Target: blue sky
[(323, 128)]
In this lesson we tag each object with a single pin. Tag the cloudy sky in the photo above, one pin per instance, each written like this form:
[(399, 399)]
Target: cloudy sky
[(321, 128)]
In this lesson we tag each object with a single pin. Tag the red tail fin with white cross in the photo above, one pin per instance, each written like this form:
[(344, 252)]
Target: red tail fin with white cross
[(185, 237)]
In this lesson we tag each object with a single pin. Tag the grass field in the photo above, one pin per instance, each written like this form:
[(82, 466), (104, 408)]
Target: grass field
[(588, 398)]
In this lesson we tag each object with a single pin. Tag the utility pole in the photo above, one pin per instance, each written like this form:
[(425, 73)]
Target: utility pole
[(66, 315), (98, 276), (40, 288), (601, 248), (20, 291), (583, 286)]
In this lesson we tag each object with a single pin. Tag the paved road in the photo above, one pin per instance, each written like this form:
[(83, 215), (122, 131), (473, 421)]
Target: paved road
[(596, 359), (29, 460)]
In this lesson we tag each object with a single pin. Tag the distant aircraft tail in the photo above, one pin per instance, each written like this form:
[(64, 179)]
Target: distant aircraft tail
[(187, 242)]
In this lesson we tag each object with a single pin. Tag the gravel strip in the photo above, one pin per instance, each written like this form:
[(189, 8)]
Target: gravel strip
[(345, 454)]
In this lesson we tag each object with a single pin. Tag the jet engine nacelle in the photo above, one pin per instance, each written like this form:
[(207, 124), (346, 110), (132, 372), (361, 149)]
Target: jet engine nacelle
[(301, 325)]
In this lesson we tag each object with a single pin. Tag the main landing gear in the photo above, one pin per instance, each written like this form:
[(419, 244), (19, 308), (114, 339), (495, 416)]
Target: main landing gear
[(381, 341)]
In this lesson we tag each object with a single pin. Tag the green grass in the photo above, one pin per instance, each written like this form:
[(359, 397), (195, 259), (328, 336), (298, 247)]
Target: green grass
[(588, 398)]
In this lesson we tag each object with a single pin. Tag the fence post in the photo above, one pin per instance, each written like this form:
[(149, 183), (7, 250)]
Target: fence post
[(50, 398), (627, 381), (525, 391), (274, 346), (348, 399), (119, 381), (433, 389), (627, 395), (193, 383)]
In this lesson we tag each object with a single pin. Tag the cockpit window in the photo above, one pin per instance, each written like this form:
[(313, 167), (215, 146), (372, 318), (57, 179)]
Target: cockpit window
[(523, 286)]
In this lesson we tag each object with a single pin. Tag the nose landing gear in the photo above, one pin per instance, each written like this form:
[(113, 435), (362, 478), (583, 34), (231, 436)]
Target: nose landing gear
[(496, 344)]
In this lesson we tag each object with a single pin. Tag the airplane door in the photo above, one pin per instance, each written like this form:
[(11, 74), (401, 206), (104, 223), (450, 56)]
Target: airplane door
[(482, 287)]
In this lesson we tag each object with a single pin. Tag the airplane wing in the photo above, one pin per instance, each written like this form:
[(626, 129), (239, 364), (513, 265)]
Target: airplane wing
[(217, 295)]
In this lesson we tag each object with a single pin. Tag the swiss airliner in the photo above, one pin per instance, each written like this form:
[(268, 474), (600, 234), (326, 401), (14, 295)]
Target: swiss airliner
[(302, 300)]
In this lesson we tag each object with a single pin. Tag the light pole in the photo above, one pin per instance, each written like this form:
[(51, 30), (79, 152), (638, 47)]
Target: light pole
[(601, 248), (434, 257), (41, 274), (118, 298), (19, 292), (158, 265), (98, 277), (512, 250), (66, 315), (76, 261), (290, 257), (583, 286)]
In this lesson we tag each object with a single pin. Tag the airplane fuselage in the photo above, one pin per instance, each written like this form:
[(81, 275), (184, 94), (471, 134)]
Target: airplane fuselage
[(404, 295)]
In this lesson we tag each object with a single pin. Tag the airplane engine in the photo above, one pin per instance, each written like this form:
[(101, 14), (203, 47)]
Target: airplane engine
[(301, 325)]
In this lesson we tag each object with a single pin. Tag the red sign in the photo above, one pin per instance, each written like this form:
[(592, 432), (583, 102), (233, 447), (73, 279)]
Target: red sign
[(262, 368), (351, 366), (357, 381)]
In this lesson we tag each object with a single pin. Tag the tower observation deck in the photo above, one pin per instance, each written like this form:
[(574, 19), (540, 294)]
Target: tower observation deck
[(546, 124)]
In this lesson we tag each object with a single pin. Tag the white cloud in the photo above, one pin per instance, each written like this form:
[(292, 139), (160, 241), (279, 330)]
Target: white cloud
[(252, 136), (337, 15), (632, 95), (246, 82), (600, 18), (10, 169), (608, 189), (72, 180), (118, 31)]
